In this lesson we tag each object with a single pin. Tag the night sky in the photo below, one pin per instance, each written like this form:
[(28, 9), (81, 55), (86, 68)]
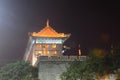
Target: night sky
[(92, 24)]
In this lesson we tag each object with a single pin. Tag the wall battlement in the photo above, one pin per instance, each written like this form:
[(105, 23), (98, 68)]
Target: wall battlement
[(61, 58)]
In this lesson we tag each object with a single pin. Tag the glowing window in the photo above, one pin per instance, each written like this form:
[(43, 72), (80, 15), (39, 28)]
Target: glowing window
[(39, 52), (54, 52), (46, 45), (53, 45), (38, 46), (46, 52)]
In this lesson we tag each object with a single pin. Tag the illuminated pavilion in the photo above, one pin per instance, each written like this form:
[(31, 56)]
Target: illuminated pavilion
[(47, 42)]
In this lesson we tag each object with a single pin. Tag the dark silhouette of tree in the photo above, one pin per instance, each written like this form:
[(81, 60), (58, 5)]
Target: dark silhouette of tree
[(18, 71), (94, 67)]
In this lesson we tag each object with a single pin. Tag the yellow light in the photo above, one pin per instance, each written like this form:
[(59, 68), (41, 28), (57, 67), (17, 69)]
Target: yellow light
[(46, 45), (46, 52), (38, 46), (54, 52), (49, 32), (79, 52), (39, 52), (53, 45)]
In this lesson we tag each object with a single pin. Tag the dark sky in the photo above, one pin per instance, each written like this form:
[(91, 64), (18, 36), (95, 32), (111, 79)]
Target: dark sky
[(92, 24)]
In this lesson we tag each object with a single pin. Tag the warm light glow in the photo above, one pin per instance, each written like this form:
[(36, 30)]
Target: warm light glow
[(46, 52), (38, 46), (49, 32), (79, 52), (39, 52), (54, 52), (53, 45), (105, 77), (34, 60), (98, 52), (66, 47), (46, 45)]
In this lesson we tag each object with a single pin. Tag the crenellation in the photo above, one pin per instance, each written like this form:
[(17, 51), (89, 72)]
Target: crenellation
[(61, 58)]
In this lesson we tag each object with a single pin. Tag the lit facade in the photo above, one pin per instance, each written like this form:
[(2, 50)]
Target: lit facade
[(47, 42)]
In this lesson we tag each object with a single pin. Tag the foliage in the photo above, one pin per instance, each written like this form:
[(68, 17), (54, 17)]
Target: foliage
[(94, 67), (98, 53), (18, 71)]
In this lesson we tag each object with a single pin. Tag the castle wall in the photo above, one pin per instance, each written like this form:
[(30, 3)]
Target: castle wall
[(51, 68)]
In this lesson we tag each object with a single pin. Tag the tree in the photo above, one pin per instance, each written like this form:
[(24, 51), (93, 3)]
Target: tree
[(95, 67), (19, 70)]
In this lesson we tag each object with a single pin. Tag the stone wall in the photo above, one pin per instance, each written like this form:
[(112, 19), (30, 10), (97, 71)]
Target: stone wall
[(51, 70)]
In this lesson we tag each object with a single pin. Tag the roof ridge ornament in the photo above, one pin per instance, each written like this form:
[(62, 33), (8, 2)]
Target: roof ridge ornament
[(48, 31)]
